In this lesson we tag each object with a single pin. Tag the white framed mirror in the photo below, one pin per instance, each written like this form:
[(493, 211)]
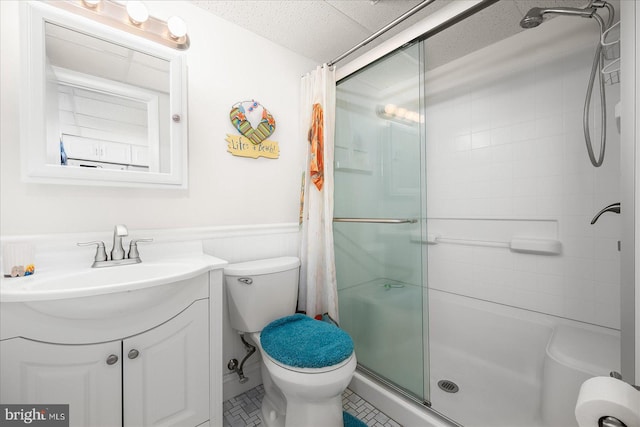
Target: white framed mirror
[(100, 106)]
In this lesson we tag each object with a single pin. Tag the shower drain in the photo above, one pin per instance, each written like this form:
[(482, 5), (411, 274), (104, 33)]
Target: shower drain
[(448, 386)]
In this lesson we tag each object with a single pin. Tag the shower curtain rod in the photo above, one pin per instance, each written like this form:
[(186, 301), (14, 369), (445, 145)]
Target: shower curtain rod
[(383, 30)]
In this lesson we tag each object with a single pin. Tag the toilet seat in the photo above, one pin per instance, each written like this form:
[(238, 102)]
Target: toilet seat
[(310, 370), (299, 342), (255, 337)]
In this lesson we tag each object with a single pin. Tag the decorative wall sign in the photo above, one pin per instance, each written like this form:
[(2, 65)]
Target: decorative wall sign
[(252, 141)]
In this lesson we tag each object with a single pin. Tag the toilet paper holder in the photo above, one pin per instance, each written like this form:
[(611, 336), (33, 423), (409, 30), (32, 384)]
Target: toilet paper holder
[(617, 375), (610, 422)]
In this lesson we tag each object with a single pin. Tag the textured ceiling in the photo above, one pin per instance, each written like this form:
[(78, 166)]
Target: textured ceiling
[(324, 29)]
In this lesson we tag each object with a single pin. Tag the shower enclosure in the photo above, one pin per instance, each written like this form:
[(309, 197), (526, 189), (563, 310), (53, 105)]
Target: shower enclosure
[(377, 227), (469, 275)]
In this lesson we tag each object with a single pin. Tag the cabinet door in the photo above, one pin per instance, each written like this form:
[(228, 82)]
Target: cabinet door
[(139, 155), (114, 152), (79, 375), (166, 372), (81, 148)]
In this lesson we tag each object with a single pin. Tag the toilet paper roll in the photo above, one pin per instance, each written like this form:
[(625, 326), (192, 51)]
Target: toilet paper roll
[(605, 396)]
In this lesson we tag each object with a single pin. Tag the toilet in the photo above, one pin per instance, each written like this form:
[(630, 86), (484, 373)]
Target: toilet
[(306, 363)]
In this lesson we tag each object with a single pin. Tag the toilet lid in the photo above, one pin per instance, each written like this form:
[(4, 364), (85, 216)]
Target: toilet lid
[(303, 342)]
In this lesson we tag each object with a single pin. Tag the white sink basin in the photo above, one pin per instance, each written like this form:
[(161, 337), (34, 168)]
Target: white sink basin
[(75, 304), (103, 293), (101, 281)]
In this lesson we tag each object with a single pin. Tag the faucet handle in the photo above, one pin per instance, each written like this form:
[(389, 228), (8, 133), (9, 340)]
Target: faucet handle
[(613, 207), (133, 248), (101, 253)]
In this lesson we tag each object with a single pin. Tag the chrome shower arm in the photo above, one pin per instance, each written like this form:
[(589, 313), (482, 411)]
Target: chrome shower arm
[(584, 13)]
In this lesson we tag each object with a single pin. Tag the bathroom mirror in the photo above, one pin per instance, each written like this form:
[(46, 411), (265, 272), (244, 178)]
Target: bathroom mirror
[(99, 106)]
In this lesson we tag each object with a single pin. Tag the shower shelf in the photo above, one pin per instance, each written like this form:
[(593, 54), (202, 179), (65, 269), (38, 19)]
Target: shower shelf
[(610, 41), (517, 244)]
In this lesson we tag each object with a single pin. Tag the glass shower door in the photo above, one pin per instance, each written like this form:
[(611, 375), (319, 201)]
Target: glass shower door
[(378, 231)]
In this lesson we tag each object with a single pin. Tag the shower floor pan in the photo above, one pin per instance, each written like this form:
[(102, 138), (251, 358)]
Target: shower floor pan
[(495, 354)]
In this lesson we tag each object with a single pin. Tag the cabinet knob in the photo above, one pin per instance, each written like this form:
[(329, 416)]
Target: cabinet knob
[(133, 353), (112, 359)]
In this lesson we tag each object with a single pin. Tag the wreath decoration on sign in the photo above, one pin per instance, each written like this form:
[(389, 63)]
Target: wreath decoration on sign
[(265, 128)]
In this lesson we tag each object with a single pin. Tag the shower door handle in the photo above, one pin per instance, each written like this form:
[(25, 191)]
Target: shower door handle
[(378, 220)]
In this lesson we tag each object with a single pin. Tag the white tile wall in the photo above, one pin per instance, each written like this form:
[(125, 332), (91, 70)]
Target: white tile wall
[(507, 144)]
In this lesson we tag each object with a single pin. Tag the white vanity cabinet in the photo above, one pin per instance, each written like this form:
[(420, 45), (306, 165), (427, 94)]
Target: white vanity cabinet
[(161, 375), (149, 356), (97, 150)]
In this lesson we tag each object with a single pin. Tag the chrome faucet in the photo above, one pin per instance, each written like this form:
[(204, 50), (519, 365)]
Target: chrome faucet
[(614, 207), (118, 255), (117, 252)]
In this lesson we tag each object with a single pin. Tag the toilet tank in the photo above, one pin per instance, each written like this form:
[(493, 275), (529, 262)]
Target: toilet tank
[(261, 291)]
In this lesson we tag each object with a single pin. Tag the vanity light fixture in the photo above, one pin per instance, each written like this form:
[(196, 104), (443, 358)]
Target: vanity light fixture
[(132, 17), (399, 114)]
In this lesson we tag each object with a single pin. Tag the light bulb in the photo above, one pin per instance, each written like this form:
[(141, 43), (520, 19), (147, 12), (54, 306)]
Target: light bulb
[(91, 4), (390, 109), (177, 27), (413, 116), (137, 11), (400, 112)]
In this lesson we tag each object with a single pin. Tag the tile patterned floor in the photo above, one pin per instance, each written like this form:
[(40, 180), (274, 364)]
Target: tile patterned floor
[(244, 409)]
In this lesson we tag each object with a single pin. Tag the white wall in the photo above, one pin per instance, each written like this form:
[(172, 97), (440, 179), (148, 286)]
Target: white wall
[(226, 64), (506, 157)]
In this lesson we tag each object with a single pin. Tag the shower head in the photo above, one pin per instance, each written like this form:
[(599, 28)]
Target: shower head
[(535, 16), (532, 19)]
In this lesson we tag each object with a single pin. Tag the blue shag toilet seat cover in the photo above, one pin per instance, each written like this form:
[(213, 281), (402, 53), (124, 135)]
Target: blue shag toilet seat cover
[(303, 342)]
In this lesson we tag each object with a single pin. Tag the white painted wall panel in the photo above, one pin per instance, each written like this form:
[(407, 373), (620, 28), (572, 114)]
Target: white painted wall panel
[(226, 64)]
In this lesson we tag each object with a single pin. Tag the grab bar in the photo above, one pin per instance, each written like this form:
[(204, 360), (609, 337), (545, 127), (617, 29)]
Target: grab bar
[(378, 220)]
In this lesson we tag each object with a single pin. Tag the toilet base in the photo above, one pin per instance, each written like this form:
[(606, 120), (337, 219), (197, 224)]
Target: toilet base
[(316, 402), (270, 415), (327, 413), (274, 404), (308, 414)]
